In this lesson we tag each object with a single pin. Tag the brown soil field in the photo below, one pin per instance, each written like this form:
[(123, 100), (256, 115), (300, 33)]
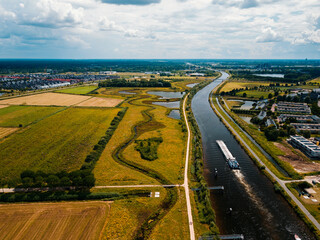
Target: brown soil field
[(100, 102), (3, 106), (6, 131), (46, 99), (69, 220), (296, 161)]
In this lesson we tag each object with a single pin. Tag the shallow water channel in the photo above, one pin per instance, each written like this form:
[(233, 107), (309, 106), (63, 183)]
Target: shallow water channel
[(257, 211)]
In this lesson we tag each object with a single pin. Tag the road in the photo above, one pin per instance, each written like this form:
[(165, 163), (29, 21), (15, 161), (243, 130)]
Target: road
[(279, 181), (186, 181)]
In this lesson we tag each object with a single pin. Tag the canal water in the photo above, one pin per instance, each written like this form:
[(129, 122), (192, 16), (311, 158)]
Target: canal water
[(257, 211)]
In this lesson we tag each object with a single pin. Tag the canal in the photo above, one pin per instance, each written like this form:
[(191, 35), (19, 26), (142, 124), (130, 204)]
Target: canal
[(257, 211)]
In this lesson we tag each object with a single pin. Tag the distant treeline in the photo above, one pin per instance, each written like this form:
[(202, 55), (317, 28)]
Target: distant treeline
[(135, 83), (39, 65), (291, 77)]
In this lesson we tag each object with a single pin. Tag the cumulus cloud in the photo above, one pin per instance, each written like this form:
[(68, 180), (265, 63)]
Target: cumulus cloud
[(51, 14), (269, 35), (131, 2)]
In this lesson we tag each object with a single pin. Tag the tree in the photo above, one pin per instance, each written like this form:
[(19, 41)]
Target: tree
[(306, 133), (27, 173), (292, 131), (244, 94), (27, 181), (270, 95), (53, 181)]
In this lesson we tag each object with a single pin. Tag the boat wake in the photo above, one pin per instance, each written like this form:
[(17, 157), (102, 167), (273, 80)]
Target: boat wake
[(257, 201)]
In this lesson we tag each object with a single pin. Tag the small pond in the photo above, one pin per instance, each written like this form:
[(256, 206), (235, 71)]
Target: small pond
[(125, 92), (275, 75), (246, 118), (174, 114), (175, 104), (247, 104), (167, 95), (191, 85)]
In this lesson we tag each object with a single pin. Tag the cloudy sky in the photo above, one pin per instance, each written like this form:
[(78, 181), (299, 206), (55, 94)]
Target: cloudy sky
[(160, 29)]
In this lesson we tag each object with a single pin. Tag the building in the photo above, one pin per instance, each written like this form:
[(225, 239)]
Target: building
[(293, 107), (312, 127), (262, 115), (300, 118), (270, 122), (307, 147)]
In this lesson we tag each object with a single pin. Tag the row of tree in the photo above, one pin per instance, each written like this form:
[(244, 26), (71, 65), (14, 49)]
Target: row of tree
[(141, 83)]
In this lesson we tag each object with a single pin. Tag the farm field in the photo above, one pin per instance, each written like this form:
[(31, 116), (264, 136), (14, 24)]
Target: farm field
[(59, 99), (6, 131), (13, 116), (3, 106), (78, 90), (60, 142), (255, 94), (46, 99), (100, 102), (52, 221), (230, 85)]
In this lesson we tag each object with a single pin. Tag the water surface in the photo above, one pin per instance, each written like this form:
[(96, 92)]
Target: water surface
[(257, 211)]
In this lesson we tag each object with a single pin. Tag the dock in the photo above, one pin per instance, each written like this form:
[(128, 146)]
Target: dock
[(210, 188), (232, 236), (231, 160)]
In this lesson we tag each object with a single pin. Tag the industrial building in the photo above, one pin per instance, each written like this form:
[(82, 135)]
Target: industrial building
[(307, 147), (293, 107), (312, 127), (300, 118)]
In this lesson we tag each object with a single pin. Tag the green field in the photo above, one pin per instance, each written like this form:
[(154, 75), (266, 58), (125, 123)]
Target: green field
[(78, 90), (13, 116), (255, 93), (60, 142)]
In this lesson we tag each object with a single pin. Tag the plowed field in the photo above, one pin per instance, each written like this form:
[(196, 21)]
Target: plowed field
[(70, 220), (6, 131)]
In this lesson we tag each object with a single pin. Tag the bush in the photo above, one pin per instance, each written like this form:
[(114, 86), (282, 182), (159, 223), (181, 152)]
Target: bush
[(148, 148)]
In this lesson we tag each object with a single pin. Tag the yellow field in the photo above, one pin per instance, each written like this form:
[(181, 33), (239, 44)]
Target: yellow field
[(6, 131), (100, 102), (235, 84), (46, 99), (69, 220), (57, 99)]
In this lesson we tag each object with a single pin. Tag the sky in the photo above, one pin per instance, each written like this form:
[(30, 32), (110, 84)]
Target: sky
[(160, 29)]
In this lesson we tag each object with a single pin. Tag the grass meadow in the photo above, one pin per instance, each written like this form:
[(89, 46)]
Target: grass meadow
[(60, 142), (13, 116), (78, 90)]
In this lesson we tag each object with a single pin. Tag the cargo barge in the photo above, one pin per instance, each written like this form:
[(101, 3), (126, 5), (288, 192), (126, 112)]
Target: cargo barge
[(232, 162)]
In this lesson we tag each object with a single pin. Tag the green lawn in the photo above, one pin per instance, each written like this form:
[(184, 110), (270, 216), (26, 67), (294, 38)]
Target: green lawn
[(255, 93), (13, 116), (78, 90), (60, 142)]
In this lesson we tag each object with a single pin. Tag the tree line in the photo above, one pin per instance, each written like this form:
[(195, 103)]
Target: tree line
[(141, 83)]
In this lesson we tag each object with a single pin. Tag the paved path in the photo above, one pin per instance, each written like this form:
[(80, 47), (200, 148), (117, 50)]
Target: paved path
[(280, 182), (186, 184)]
